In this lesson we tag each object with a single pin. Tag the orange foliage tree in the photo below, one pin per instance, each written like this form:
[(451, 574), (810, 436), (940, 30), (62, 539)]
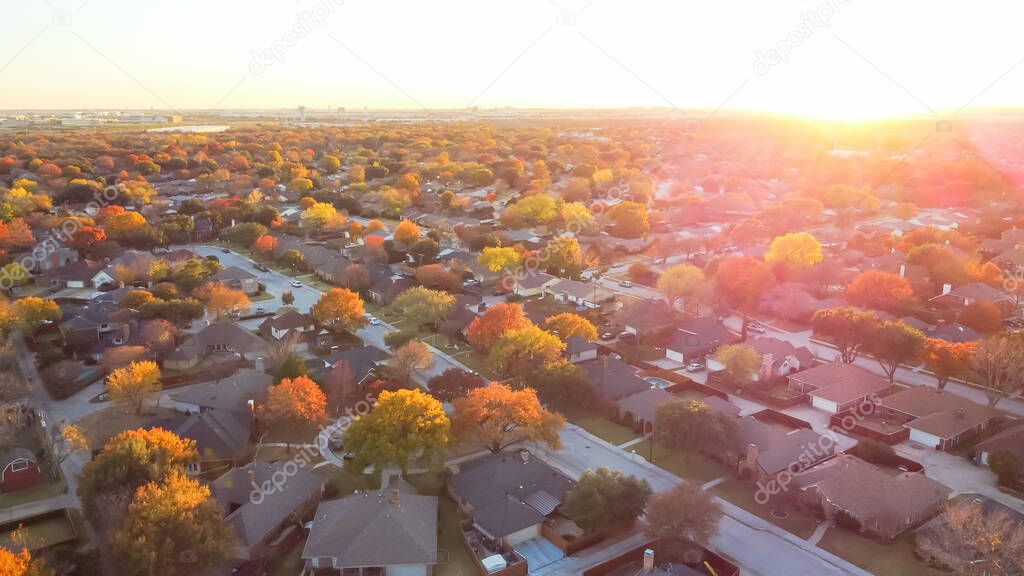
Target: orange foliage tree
[(880, 290), (497, 416), (485, 330), (296, 401)]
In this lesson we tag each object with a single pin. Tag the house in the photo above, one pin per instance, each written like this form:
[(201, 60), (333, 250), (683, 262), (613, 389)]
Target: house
[(780, 357), (222, 339), (883, 505), (698, 337), (509, 495), (18, 470), (935, 417), (962, 296), (363, 361), (578, 293), (389, 532), (258, 507), (1010, 440), (239, 279), (838, 387), (612, 378), (531, 284), (579, 349), (646, 318), (385, 290), (221, 437), (232, 393), (333, 270), (86, 325), (79, 274), (56, 257), (293, 326), (643, 406), (763, 451)]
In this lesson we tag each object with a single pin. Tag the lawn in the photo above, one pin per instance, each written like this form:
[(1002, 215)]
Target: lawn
[(341, 482), (742, 495), (452, 559), (894, 559), (32, 494), (600, 426), (261, 297), (40, 532), (102, 425), (291, 564), (690, 465)]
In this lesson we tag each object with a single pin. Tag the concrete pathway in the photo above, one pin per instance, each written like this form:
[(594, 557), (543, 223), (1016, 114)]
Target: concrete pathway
[(815, 537), (634, 441), (712, 483)]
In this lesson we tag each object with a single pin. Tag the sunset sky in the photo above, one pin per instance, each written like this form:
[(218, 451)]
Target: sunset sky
[(857, 58)]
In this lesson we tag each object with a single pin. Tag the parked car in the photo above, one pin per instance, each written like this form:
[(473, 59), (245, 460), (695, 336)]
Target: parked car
[(296, 283), (373, 321), (694, 367), (607, 336), (755, 327), (225, 250), (626, 284), (625, 335)]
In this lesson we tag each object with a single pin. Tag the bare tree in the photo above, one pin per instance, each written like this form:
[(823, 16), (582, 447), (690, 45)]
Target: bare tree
[(279, 352), (968, 539), (998, 365)]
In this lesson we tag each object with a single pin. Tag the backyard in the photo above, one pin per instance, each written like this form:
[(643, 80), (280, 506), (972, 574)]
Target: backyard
[(894, 559), (742, 495), (690, 465)]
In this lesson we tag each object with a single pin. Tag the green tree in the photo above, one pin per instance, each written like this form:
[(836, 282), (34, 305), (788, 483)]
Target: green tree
[(422, 306), (605, 498), (692, 425), (515, 352), (1005, 466), (741, 362), (847, 328), (403, 424), (892, 343)]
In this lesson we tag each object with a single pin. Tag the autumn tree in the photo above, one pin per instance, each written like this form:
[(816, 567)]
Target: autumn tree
[(566, 325), (984, 317), (339, 310), (453, 383), (682, 515), (1005, 465), (411, 357), (741, 282), (296, 402), (245, 234), (490, 326), (221, 300), (998, 365), (21, 563), (136, 299), (561, 383), (879, 290), (793, 251), (967, 537), (848, 329), (946, 359), (166, 519), (630, 219), (265, 246), (339, 383), (407, 232), (32, 312), (422, 306), (496, 417), (402, 425), (892, 343), (496, 258), (516, 350), (292, 258), (605, 498), (680, 281), (132, 385), (741, 362)]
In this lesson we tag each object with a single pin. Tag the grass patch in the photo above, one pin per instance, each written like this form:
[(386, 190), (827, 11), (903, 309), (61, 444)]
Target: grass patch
[(291, 564), (39, 532), (690, 465), (102, 425), (341, 482), (40, 492), (261, 297), (449, 529), (600, 426), (893, 559), (742, 495)]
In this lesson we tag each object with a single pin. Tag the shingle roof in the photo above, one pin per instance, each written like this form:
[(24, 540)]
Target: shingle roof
[(936, 411), (613, 378), (841, 382), (231, 393), (218, 434), (361, 360), (778, 450)]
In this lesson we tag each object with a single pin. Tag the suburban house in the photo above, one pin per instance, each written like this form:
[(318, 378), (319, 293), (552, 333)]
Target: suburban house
[(385, 290), (87, 325), (293, 326), (646, 318), (79, 274), (259, 510), (698, 337), (362, 361), (579, 349), (221, 437), (779, 357), (613, 378), (55, 258), (532, 284), (239, 279), (508, 495), (18, 470), (217, 339), (838, 387), (935, 417), (1010, 440), (390, 532), (578, 293), (884, 505), (962, 296), (232, 393), (332, 270), (642, 407), (763, 451)]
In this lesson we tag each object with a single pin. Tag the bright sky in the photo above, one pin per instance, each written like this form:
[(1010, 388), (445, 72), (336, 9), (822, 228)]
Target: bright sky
[(858, 58)]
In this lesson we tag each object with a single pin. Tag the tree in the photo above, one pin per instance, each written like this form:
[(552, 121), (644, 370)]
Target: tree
[(741, 281), (793, 251), (998, 365), (561, 383), (566, 325), (879, 290), (407, 232), (603, 498), (21, 564), (131, 385), (681, 281), (741, 362), (293, 259), (127, 461), (985, 317), (245, 234), (516, 350), (355, 277), (222, 301), (847, 328), (496, 258), (436, 277), (265, 246), (411, 357), (967, 538), (339, 382), (339, 310), (565, 256), (32, 312), (630, 219), (535, 209), (495, 417), (946, 359), (692, 425), (892, 343), (490, 326), (684, 514), (287, 298), (1005, 466), (318, 215), (172, 527), (136, 299), (422, 306), (453, 383), (296, 402), (403, 424)]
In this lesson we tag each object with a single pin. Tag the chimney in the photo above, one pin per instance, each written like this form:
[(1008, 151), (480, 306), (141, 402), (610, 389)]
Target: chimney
[(252, 413), (648, 560), (524, 455), (396, 498), (946, 288), (752, 453), (903, 270), (766, 365), (252, 477)]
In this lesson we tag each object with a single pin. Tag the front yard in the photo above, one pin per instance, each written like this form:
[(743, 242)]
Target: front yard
[(893, 559), (600, 426), (742, 495), (690, 465)]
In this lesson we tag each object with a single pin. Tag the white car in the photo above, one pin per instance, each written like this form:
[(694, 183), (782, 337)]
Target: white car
[(296, 283), (373, 321), (694, 367), (626, 284)]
